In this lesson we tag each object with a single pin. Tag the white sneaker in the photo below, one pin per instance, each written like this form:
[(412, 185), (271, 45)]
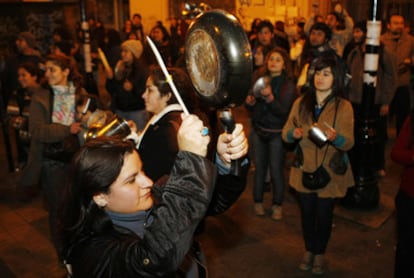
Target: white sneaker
[(259, 209), (277, 212)]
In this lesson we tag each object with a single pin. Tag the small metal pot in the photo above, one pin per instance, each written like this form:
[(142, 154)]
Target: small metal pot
[(317, 136)]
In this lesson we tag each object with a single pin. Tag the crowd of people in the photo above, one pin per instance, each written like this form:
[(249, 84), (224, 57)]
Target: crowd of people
[(123, 193)]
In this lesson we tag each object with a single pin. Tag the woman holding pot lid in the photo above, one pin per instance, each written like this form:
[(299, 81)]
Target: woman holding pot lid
[(323, 106), (270, 105)]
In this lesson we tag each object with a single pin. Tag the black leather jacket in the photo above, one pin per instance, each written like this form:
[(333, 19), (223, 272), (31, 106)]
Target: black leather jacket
[(181, 205)]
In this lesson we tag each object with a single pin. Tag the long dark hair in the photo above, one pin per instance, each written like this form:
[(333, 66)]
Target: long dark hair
[(287, 71), (92, 171), (327, 60)]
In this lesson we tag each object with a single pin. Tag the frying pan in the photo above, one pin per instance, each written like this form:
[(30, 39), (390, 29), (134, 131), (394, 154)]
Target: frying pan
[(220, 65), (219, 59)]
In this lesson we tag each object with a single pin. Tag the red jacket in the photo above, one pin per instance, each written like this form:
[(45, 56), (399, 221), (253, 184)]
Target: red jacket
[(403, 153)]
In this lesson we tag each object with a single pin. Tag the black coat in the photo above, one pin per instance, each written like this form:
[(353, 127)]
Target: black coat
[(181, 204), (159, 146)]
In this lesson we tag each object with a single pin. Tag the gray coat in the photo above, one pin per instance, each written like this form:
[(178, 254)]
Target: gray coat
[(42, 131), (387, 79)]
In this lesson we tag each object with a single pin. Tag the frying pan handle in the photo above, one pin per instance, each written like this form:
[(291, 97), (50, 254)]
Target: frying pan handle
[(228, 123)]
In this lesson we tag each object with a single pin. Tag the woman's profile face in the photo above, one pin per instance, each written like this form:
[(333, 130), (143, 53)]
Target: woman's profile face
[(131, 191), (56, 75), (25, 78), (154, 102), (324, 79)]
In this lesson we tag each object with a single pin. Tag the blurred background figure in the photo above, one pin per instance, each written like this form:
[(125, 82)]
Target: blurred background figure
[(126, 84)]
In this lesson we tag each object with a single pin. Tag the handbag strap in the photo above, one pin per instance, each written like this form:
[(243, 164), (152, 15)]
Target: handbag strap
[(337, 100)]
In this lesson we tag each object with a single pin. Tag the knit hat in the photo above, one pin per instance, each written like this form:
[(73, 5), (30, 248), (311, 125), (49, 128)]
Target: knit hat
[(29, 38), (135, 46)]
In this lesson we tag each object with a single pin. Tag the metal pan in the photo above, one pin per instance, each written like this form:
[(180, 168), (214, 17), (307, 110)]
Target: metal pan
[(219, 59)]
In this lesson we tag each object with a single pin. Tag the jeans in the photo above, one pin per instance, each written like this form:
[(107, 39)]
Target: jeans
[(405, 236), (317, 215), (140, 117), (268, 153)]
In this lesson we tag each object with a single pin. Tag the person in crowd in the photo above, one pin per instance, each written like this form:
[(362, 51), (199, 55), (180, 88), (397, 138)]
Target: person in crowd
[(52, 126), (297, 42), (132, 36), (358, 38), (158, 146), (61, 33), (264, 38), (341, 24), (112, 47), (31, 79), (159, 138), (99, 34), (102, 209), (270, 108), (27, 52), (316, 45), (259, 56), (315, 17), (401, 44), (161, 38), (177, 40), (252, 34), (281, 37), (322, 106), (137, 27), (62, 36), (126, 30), (385, 88), (139, 223), (126, 84), (403, 153)]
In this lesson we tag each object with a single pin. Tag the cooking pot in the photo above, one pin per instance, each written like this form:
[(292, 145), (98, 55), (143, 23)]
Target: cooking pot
[(219, 59)]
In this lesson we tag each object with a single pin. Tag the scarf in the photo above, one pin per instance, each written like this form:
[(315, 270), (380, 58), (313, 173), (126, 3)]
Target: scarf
[(132, 221), (63, 104)]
